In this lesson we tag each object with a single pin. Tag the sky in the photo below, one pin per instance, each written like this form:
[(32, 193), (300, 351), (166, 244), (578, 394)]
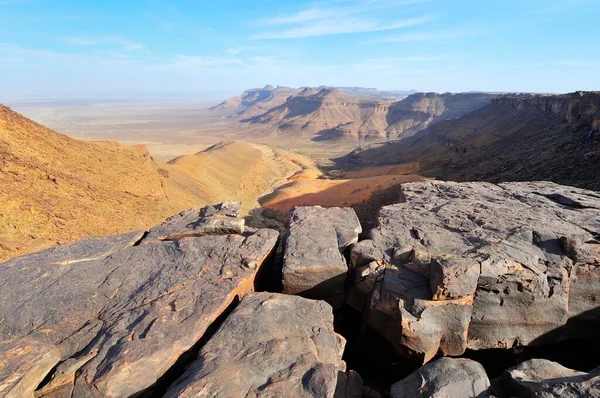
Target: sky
[(74, 48)]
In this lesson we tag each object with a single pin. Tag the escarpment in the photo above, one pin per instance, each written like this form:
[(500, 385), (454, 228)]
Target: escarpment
[(451, 270)]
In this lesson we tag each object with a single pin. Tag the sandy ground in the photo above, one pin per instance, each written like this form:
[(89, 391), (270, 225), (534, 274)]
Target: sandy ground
[(327, 193)]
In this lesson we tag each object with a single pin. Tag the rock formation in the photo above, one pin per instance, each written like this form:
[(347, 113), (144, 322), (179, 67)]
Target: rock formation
[(174, 311), (123, 311), (329, 113), (446, 377), (514, 138), (420, 110), (255, 101), (479, 266), (272, 345), (543, 378), (313, 262)]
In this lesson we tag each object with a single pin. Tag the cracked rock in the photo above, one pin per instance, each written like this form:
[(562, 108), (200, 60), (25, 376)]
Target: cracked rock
[(122, 313), (506, 265), (220, 219), (272, 345)]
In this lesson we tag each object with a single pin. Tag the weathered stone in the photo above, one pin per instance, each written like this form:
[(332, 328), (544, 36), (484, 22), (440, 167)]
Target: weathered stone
[(444, 378), (220, 219), (124, 314), (24, 363), (313, 263), (521, 258), (546, 379), (432, 327), (271, 345), (453, 278), (64, 376)]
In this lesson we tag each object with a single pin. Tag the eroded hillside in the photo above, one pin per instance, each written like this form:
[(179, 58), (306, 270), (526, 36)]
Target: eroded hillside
[(55, 189), (514, 138)]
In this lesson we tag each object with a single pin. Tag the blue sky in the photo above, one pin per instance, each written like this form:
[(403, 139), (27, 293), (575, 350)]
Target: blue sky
[(88, 48)]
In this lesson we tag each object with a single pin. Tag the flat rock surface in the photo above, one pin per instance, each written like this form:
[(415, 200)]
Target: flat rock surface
[(504, 264), (130, 311), (444, 378), (547, 379), (313, 263), (219, 219), (272, 345)]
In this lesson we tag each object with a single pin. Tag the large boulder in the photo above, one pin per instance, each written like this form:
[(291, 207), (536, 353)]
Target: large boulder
[(444, 378), (478, 265), (117, 313), (546, 379), (313, 262), (272, 345)]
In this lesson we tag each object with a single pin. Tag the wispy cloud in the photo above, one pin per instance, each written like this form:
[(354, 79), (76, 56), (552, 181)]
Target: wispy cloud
[(359, 17), (207, 61), (340, 26), (123, 44), (425, 36), (237, 50)]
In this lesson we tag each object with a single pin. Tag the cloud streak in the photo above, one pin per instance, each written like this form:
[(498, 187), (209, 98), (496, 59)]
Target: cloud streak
[(425, 37), (123, 44), (340, 26), (364, 16)]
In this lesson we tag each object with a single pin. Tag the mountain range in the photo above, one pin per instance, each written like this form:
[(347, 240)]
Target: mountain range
[(332, 114)]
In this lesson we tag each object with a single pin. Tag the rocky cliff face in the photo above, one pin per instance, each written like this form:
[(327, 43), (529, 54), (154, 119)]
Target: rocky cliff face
[(326, 113), (579, 107), (254, 102), (514, 138), (329, 114), (418, 111)]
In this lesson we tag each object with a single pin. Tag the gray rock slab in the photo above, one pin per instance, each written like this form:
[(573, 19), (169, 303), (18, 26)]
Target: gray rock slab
[(272, 345), (546, 379), (220, 219), (127, 313), (525, 257), (313, 263), (444, 378)]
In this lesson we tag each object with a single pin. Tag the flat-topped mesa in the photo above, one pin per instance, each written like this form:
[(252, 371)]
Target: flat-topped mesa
[(313, 262), (580, 106), (219, 219), (478, 265), (115, 313), (271, 345)]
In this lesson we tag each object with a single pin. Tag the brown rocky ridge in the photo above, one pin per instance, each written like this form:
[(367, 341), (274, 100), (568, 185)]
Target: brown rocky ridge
[(325, 114)]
